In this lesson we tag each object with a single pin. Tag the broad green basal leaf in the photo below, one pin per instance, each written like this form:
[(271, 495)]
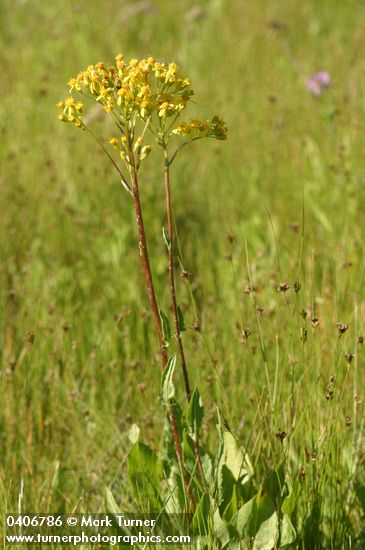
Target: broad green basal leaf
[(145, 473), (288, 533), (235, 459)]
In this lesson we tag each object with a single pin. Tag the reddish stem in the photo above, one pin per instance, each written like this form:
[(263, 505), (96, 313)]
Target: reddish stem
[(143, 252)]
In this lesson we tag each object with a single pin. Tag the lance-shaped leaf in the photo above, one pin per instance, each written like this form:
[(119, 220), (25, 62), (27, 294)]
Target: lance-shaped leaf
[(166, 330), (167, 384), (195, 411)]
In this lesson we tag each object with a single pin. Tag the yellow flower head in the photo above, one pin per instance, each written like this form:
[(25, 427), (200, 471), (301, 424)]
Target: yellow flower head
[(114, 142), (74, 84), (171, 72), (71, 111), (163, 109), (69, 102)]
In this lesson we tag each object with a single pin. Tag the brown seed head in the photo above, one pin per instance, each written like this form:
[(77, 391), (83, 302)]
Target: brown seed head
[(29, 338), (280, 434), (283, 287), (249, 289), (297, 286), (342, 327)]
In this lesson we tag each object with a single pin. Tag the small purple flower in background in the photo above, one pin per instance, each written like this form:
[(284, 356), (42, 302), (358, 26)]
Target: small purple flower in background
[(318, 82)]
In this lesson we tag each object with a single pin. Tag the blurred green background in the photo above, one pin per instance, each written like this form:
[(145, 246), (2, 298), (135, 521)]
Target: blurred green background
[(282, 200)]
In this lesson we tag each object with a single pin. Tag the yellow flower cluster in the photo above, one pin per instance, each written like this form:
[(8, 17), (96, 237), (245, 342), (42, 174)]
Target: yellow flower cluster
[(215, 128), (71, 111), (139, 87), (143, 93)]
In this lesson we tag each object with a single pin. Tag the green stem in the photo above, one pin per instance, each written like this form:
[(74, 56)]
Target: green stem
[(170, 233)]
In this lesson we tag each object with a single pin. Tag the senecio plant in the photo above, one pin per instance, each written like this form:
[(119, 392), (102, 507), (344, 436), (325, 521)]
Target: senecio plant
[(143, 96), (147, 98)]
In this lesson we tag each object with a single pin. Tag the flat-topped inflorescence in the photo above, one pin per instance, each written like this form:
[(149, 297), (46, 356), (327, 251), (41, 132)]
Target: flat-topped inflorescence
[(144, 92)]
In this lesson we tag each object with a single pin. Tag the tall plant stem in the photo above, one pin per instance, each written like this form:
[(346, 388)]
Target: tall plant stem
[(146, 268), (170, 234)]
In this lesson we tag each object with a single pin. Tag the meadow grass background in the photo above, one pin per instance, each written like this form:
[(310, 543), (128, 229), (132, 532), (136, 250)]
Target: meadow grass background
[(282, 200)]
